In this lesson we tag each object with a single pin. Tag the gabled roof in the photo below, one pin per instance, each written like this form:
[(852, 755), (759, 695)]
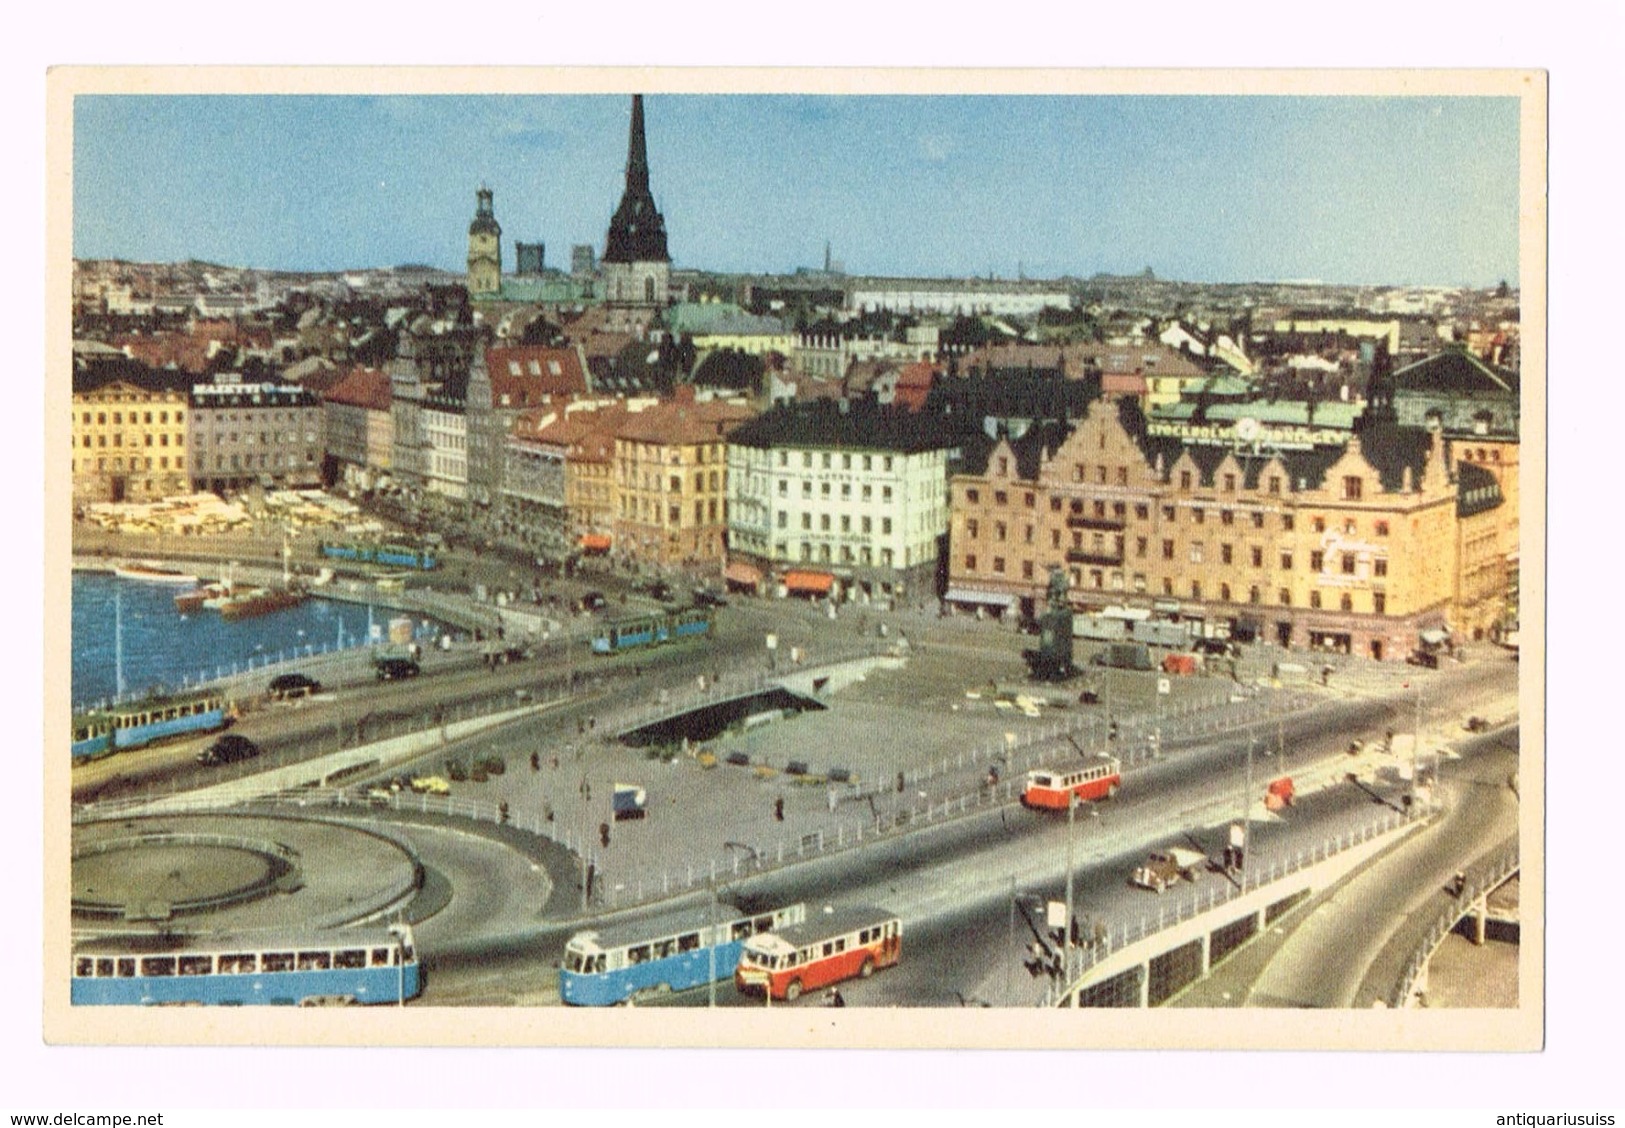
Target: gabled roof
[(681, 423), (367, 388), (122, 370), (859, 424), (1455, 372), (526, 375)]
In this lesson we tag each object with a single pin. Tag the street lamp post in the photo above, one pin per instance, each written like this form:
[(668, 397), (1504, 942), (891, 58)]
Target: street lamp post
[(1066, 926)]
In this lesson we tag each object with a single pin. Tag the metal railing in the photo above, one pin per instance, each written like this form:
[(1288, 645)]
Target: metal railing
[(1175, 911), (1481, 879)]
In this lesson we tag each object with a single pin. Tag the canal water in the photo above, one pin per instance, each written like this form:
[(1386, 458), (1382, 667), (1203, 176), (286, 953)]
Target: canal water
[(163, 648)]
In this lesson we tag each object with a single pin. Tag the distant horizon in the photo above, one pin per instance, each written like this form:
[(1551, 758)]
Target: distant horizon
[(508, 271), (1417, 191)]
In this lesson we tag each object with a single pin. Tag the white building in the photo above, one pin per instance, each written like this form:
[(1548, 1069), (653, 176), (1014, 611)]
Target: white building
[(445, 433), (827, 496), (957, 297)]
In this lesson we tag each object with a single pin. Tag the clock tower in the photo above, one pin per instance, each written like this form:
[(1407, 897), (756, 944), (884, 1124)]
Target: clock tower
[(484, 249)]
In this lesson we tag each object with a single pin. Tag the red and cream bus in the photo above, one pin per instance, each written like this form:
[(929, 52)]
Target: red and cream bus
[(827, 948), (1047, 788)]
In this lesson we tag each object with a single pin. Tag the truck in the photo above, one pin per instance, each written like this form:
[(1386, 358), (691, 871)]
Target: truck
[(1099, 628), (1125, 656), (1163, 868), (1161, 632)]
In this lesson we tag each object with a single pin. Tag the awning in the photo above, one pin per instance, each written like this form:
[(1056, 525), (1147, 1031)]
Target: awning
[(970, 595), (814, 583), (595, 542), (740, 572), (1434, 636)]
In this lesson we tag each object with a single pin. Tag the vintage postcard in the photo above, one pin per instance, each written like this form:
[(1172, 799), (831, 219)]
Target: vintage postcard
[(796, 558)]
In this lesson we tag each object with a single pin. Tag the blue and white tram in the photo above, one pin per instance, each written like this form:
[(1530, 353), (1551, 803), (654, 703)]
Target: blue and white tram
[(363, 965), (652, 630), (609, 966), (137, 723)]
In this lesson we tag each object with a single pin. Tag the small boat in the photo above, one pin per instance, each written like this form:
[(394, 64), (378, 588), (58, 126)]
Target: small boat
[(195, 599), (152, 574), (259, 601)]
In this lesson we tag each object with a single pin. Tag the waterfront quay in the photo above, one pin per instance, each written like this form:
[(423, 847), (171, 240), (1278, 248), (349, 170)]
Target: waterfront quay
[(904, 737)]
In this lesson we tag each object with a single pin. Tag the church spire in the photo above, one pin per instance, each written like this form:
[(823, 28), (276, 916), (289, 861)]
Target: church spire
[(637, 151), (637, 232)]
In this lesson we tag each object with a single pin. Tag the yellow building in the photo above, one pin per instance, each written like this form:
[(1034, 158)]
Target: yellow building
[(671, 482), (129, 435), (1355, 549)]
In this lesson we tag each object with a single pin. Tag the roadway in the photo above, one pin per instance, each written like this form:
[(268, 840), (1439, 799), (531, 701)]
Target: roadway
[(952, 883)]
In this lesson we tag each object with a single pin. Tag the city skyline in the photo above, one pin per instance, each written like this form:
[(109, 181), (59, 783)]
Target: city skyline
[(1341, 190)]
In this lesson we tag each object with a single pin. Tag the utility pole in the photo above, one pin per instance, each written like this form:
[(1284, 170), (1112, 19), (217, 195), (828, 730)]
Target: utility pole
[(1071, 825), (711, 942)]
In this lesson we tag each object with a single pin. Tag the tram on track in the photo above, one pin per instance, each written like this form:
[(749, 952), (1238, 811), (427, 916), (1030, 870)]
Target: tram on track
[(360, 966), (653, 629), (608, 966), (133, 724)]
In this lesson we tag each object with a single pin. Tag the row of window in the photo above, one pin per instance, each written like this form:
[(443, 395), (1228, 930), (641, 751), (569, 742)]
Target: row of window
[(844, 554), (1348, 562), (144, 417), (266, 438), (1098, 580), (866, 492), (118, 440), (866, 524), (1117, 511), (825, 460), (232, 963), (643, 509)]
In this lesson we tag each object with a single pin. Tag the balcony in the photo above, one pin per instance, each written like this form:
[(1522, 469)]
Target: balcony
[(1106, 557), (1104, 524)]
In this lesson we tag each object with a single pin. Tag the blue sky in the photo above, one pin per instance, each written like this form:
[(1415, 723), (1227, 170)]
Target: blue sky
[(1340, 189)]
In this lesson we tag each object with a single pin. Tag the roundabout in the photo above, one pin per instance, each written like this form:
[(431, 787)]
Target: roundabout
[(228, 872)]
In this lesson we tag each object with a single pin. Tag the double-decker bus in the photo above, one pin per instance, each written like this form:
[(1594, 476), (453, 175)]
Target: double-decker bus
[(1048, 788), (652, 630), (362, 965), (829, 947), (135, 723), (673, 953)]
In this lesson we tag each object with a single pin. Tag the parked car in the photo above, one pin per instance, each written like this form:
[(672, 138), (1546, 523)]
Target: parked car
[(285, 687), (658, 589), (705, 597), (229, 749), (594, 601)]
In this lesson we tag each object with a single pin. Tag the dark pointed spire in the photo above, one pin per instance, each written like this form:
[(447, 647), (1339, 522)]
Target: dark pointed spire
[(637, 232), (637, 150)]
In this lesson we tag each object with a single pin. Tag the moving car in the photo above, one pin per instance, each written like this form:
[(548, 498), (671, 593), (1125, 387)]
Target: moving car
[(285, 687), (1168, 867), (229, 749)]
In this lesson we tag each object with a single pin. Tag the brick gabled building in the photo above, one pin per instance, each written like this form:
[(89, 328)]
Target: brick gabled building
[(1356, 549)]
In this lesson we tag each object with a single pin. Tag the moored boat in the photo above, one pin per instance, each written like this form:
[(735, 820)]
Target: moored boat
[(153, 574), (195, 599), (259, 601)]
